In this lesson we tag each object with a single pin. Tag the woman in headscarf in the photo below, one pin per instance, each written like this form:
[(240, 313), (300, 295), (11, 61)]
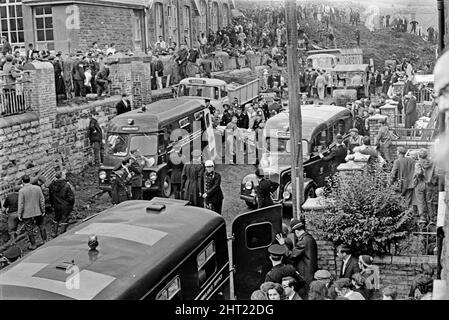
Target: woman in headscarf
[(371, 273)]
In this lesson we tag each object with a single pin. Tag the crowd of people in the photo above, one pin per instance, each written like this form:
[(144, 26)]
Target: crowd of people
[(295, 275)]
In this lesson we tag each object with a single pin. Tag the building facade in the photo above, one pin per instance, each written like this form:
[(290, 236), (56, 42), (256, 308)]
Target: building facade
[(136, 25)]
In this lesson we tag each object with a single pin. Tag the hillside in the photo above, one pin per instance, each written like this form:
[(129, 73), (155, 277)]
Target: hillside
[(379, 45)]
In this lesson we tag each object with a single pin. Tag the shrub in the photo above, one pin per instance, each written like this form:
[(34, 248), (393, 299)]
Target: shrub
[(367, 214)]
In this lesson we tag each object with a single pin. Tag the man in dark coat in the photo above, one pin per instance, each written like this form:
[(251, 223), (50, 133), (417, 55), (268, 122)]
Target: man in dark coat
[(410, 110), (102, 81), (305, 251), (62, 200), (192, 180), (213, 195), (242, 119), (402, 172), (124, 105), (349, 263), (264, 190), (121, 177), (79, 77), (136, 180), (96, 139), (337, 155), (279, 269), (182, 61)]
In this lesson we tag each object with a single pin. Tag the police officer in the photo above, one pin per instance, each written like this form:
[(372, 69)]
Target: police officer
[(280, 270), (264, 190), (213, 195)]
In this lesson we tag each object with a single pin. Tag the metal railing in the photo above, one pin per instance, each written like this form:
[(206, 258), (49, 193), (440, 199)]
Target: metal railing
[(15, 98)]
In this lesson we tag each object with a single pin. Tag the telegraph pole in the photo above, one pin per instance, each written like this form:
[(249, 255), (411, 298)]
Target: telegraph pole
[(294, 103)]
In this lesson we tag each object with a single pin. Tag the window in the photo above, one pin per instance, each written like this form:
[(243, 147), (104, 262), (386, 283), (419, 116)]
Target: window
[(159, 18), (173, 22), (172, 291), (259, 235), (206, 263), (11, 22), (186, 24), (184, 122), (225, 15), (117, 145), (146, 145), (214, 17), (44, 27), (137, 26)]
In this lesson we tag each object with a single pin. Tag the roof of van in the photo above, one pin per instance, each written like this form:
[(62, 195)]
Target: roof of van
[(350, 67), (132, 242), (313, 117), (156, 114)]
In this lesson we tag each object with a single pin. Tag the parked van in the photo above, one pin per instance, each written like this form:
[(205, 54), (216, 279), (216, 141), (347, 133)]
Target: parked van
[(149, 250)]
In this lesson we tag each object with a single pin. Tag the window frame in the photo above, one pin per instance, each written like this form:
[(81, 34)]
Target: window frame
[(8, 19), (44, 15), (256, 224)]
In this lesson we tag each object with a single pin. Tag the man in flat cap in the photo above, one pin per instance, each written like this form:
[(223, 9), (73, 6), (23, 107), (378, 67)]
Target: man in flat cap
[(264, 190), (337, 154), (402, 173), (280, 270), (192, 180), (305, 251), (326, 277)]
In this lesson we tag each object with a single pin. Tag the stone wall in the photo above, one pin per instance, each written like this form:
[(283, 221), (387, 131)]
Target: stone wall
[(398, 271), (106, 25)]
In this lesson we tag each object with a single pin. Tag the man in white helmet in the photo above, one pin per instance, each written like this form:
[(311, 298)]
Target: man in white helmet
[(213, 196)]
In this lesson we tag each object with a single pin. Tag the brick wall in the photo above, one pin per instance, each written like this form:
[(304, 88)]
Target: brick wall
[(398, 271), (105, 25)]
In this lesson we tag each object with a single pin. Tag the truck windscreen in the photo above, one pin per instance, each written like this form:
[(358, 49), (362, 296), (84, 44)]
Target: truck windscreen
[(120, 144), (199, 91)]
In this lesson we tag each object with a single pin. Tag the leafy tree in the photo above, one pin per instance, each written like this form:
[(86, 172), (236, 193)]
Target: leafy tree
[(366, 213)]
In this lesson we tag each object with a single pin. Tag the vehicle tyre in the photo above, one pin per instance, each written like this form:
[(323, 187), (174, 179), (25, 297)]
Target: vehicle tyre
[(167, 189)]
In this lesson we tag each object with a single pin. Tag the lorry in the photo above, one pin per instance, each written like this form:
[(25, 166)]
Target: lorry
[(222, 90)]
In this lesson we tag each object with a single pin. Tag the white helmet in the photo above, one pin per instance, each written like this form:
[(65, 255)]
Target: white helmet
[(209, 163)]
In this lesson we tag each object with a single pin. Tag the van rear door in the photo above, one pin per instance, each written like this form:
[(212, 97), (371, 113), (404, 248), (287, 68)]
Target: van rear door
[(253, 232)]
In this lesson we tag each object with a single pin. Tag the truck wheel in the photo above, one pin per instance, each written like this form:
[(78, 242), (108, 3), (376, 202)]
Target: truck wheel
[(166, 187)]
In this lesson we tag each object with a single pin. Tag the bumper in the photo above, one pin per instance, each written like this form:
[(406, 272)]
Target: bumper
[(248, 198), (151, 189)]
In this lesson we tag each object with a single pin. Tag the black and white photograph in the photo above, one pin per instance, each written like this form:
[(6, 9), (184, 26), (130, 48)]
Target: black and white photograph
[(224, 150)]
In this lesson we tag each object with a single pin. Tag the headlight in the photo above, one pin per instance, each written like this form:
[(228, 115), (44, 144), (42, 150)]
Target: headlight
[(102, 175), (153, 176), (249, 185), (147, 184), (143, 162), (287, 192)]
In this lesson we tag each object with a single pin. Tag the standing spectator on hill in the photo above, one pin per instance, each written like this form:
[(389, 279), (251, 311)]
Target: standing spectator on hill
[(414, 23), (357, 37)]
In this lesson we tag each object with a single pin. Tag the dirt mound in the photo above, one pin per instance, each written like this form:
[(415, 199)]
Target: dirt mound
[(379, 45)]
